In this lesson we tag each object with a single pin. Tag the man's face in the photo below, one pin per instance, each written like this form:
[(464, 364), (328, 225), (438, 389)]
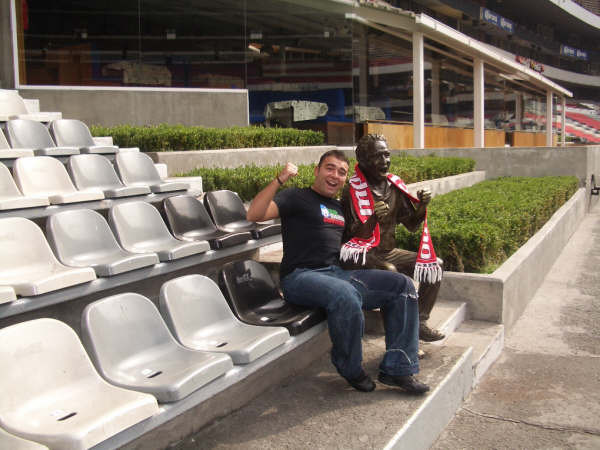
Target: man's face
[(375, 163), (330, 176)]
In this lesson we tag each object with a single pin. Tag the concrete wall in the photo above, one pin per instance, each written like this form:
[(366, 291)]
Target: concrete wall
[(503, 295), (145, 106), (7, 77)]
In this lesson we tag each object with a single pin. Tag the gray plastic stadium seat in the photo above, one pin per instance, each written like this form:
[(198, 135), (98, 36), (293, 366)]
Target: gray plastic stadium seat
[(24, 133), (28, 264), (12, 442), (95, 171), (140, 229), (132, 347), (53, 395), (6, 152), (75, 133), (44, 175), (11, 197), (137, 169), (7, 294), (82, 238), (12, 106), (198, 315)]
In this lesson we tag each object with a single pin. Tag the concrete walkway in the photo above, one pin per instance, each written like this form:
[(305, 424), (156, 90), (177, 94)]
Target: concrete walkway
[(544, 391)]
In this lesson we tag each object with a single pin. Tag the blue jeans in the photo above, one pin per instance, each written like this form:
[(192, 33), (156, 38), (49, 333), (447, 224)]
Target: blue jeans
[(344, 294)]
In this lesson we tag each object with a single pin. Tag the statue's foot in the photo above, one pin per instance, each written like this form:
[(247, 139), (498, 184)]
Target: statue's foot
[(428, 334)]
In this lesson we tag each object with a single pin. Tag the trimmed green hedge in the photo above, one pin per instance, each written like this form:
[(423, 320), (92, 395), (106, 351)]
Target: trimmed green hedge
[(164, 138), (476, 229), (247, 181)]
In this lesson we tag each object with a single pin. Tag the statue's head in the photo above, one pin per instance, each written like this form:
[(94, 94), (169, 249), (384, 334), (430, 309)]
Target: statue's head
[(373, 157)]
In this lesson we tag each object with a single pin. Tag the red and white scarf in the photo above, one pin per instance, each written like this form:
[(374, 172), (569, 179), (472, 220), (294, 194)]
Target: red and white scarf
[(426, 268)]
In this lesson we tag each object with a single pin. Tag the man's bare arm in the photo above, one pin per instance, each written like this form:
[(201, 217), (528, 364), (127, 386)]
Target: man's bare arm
[(263, 207)]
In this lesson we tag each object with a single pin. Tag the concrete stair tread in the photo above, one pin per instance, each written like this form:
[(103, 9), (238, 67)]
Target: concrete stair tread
[(317, 408)]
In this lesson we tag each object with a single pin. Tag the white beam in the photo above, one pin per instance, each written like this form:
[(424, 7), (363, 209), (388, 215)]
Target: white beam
[(418, 91), (518, 111), (478, 103), (563, 135), (549, 118)]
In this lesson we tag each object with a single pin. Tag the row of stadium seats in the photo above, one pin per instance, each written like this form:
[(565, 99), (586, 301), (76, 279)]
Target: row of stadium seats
[(13, 106), (62, 137), (58, 396), (43, 180), (81, 244)]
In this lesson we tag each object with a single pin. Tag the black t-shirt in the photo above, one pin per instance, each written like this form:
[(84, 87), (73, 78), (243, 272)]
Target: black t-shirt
[(311, 228)]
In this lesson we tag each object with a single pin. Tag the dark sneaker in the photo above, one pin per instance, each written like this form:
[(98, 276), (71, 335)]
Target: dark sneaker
[(409, 383), (362, 383), (427, 334)]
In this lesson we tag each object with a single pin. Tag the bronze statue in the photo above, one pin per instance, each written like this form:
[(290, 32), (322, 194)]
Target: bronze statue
[(390, 207)]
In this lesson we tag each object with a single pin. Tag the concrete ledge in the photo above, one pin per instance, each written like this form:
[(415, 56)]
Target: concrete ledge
[(182, 162), (502, 296), (444, 185)]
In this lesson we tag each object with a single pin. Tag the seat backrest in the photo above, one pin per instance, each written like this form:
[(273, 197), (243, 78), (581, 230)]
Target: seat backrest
[(186, 213), (23, 245), (137, 222), (137, 167), (225, 207), (248, 283), (23, 133), (192, 302), (71, 133), (93, 171), (3, 142), (11, 103), (39, 356), (79, 232), (8, 188), (41, 175), (121, 327)]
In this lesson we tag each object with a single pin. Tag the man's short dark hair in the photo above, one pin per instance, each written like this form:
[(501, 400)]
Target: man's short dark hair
[(367, 143), (338, 154)]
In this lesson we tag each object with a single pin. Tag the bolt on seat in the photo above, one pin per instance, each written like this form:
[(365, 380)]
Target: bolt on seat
[(140, 229), (198, 315), (75, 133), (23, 133), (255, 299), (137, 169), (12, 198), (28, 264), (82, 238), (52, 394), (132, 347), (97, 172), (189, 221), (229, 214), (44, 175)]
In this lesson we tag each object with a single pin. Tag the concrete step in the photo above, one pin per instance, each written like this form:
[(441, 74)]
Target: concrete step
[(486, 339)]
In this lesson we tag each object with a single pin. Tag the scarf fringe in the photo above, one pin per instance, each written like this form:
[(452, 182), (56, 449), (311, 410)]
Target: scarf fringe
[(354, 254), (427, 272)]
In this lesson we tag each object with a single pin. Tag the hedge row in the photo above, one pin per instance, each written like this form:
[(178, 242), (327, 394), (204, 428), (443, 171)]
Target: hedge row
[(247, 181), (161, 138), (476, 229)]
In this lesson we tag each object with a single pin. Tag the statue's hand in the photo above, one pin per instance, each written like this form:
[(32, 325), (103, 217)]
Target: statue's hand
[(381, 210), (424, 196), (289, 171)]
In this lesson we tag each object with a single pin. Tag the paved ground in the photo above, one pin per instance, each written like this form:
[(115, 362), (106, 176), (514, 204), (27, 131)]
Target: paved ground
[(544, 391)]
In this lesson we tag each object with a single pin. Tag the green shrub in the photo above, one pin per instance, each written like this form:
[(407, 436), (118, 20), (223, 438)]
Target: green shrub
[(165, 137), (247, 181), (476, 229)]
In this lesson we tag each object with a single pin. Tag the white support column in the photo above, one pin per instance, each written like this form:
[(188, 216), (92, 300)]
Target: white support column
[(478, 103), (518, 110), (549, 119), (363, 66), (418, 91), (563, 135)]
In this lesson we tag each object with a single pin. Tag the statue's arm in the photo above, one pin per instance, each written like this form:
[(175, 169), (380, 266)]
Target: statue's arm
[(409, 215)]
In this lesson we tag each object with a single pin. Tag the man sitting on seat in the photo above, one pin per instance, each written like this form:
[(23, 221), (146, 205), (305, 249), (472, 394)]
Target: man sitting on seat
[(312, 227)]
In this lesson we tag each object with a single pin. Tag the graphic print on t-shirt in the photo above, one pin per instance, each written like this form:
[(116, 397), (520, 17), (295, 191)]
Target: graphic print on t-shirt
[(331, 216)]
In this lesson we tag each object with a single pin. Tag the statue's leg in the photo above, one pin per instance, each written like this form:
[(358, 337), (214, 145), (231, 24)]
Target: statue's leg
[(404, 261)]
